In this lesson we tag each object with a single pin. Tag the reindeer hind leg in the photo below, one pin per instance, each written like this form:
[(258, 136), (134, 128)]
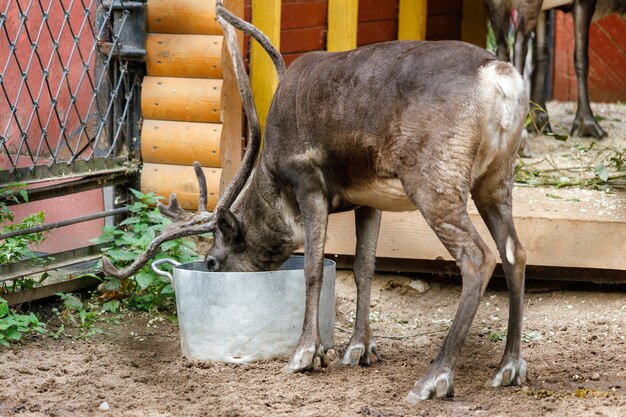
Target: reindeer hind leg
[(447, 216), (493, 198)]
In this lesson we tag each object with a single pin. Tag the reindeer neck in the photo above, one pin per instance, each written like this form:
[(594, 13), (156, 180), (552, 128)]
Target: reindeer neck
[(270, 228)]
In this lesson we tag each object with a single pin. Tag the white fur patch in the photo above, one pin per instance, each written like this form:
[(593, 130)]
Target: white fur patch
[(383, 194), (510, 256)]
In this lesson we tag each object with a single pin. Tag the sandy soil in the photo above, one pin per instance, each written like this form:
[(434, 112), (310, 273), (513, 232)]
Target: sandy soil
[(576, 360), (575, 350)]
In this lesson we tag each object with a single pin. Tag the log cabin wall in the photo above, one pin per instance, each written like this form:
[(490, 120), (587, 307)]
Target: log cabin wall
[(190, 102)]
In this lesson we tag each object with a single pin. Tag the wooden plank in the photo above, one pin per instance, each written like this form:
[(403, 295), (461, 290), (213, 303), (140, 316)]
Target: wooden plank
[(263, 77), (447, 26), (375, 32), (377, 10), (192, 56), (182, 16), (303, 15), (342, 25), (555, 232), (302, 40), (474, 22), (412, 17), (182, 99), (163, 179), (181, 143), (438, 7)]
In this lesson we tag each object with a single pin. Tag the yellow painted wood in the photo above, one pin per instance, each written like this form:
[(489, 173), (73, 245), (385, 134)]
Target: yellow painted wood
[(474, 23), (181, 143), (343, 16), (263, 77), (182, 16), (193, 56), (412, 16), (163, 179)]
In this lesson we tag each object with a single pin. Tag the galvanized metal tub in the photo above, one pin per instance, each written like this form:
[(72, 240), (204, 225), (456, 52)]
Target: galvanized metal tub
[(239, 317)]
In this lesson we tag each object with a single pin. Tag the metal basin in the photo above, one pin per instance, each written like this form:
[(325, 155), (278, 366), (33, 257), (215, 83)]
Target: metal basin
[(239, 317)]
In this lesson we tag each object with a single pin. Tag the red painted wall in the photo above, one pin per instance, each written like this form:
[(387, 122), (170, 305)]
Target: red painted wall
[(303, 23), (607, 59)]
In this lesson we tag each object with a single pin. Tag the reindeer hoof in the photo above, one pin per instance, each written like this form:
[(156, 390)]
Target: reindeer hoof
[(512, 372), (439, 386), (587, 127), (304, 359), (357, 354)]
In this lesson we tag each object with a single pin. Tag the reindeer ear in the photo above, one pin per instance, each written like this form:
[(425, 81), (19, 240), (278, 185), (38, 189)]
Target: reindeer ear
[(230, 227)]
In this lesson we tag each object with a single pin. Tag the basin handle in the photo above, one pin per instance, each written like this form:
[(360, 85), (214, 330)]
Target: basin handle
[(155, 267)]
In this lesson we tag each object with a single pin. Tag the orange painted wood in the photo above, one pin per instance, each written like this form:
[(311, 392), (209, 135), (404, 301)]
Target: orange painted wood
[(183, 16), (182, 99), (165, 179), (289, 58), (181, 143), (375, 32), (302, 40), (607, 59), (377, 10), (195, 56), (303, 15)]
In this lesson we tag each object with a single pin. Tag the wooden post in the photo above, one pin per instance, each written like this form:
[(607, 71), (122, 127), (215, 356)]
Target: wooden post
[(343, 19), (474, 23), (412, 15), (192, 56), (263, 77)]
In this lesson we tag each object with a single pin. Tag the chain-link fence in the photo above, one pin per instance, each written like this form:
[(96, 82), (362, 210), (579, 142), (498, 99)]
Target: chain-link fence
[(70, 76)]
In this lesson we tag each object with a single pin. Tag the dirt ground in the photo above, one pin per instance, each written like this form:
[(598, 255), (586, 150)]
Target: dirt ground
[(574, 346), (575, 350)]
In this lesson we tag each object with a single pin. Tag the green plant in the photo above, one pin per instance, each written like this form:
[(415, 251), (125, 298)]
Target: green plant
[(146, 290), (14, 326), (17, 248), (84, 315)]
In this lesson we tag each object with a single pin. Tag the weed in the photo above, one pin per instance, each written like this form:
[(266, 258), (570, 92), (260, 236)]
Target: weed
[(14, 326), (18, 248), (146, 290), (84, 315)]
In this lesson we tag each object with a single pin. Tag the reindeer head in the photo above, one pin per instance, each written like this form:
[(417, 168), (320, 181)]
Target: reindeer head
[(230, 250)]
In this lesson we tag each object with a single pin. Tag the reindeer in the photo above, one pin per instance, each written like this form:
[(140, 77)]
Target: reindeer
[(532, 18), (395, 126)]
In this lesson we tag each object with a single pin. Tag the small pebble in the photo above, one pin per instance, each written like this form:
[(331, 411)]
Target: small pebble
[(595, 376), (104, 406)]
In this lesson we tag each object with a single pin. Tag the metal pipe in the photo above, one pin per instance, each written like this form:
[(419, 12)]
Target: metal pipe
[(63, 223)]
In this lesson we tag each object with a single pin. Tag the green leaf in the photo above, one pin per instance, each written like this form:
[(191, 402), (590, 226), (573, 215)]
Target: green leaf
[(112, 306), (122, 255), (558, 136), (13, 334), (72, 302), (144, 280), (601, 172), (4, 307), (138, 194)]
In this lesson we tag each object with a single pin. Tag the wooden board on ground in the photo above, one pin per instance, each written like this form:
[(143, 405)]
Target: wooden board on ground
[(558, 227)]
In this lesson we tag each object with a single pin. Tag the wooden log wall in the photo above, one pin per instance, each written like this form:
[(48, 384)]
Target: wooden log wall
[(190, 102)]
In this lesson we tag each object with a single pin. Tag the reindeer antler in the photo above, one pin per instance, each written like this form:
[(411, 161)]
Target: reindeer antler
[(187, 224)]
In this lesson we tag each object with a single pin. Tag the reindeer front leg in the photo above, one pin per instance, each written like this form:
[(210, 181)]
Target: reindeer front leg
[(584, 122), (362, 349), (314, 211)]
